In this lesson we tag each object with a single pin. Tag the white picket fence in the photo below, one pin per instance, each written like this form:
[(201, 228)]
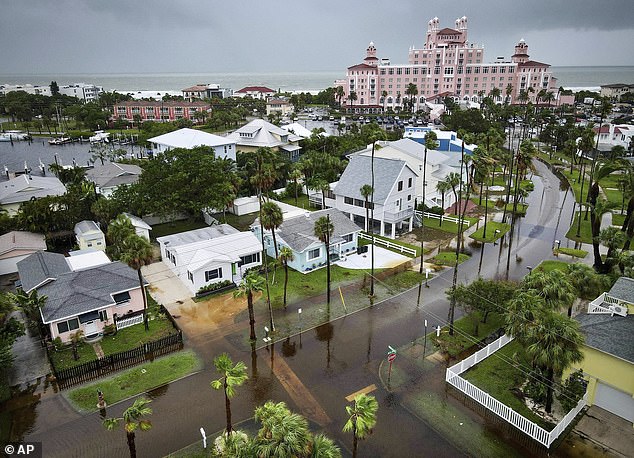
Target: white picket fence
[(127, 322), (525, 425), (388, 244), (442, 218)]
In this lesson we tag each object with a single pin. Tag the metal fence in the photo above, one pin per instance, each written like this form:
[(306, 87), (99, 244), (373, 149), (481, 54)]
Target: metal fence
[(525, 425), (101, 367)]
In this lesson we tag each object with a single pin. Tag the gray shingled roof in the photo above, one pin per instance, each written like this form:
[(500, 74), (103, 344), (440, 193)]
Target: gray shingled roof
[(27, 187), (113, 174), (39, 267), (299, 232), (623, 289), (610, 334), (74, 293), (197, 235), (359, 172)]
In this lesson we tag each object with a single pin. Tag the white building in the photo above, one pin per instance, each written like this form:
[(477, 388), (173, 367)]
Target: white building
[(86, 92), (611, 135), (28, 88), (141, 228), (224, 147), (260, 133), (89, 236), (210, 255)]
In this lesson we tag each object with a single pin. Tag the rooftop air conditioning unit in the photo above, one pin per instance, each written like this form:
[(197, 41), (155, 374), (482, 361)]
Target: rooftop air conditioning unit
[(619, 309)]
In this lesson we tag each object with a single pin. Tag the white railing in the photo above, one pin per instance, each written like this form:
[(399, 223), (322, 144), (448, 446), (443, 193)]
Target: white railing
[(544, 437), (388, 244), (392, 217), (127, 322), (597, 305), (442, 218)]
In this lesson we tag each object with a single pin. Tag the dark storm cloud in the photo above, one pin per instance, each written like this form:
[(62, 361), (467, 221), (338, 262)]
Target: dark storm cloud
[(118, 36)]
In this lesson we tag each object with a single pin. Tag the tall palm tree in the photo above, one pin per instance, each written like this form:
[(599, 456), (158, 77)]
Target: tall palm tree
[(366, 191), (30, 303), (133, 419), (352, 97), (272, 218), (453, 180), (374, 136), (554, 286), (384, 97), (283, 433), (136, 253), (339, 93), (231, 376), (361, 419), (509, 92), (324, 447), (119, 229), (286, 256), (411, 92), (431, 143), (323, 231), (296, 175), (251, 283), (443, 187)]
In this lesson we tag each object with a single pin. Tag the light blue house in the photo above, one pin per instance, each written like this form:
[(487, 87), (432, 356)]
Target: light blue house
[(448, 141), (298, 233)]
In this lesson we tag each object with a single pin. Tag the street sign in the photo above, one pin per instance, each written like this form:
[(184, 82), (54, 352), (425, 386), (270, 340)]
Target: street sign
[(391, 357)]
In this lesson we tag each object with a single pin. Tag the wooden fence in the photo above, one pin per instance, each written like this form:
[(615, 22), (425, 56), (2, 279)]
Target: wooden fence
[(389, 244), (525, 425), (101, 367)]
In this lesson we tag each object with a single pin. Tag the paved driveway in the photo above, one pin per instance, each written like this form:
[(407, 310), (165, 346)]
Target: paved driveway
[(165, 286)]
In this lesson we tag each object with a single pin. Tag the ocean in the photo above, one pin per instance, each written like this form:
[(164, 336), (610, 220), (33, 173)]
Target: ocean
[(569, 77)]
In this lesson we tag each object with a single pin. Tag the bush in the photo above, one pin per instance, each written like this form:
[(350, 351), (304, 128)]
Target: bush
[(256, 269), (291, 187), (109, 330), (535, 389), (215, 286), (57, 343), (573, 390), (435, 210)]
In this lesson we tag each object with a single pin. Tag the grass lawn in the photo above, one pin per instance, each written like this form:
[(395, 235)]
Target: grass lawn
[(571, 252), (493, 206), (448, 226), (576, 185), (618, 219), (302, 202), (136, 380), (548, 266), (464, 336), (492, 226), (132, 337), (395, 250), (174, 227), (498, 376), (63, 359), (585, 233), (242, 223), (448, 258)]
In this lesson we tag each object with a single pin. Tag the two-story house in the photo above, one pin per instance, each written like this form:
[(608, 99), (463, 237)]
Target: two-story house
[(260, 133)]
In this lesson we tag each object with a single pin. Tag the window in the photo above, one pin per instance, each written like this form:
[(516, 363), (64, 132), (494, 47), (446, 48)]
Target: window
[(121, 298), (66, 326), (190, 276), (409, 182), (409, 197), (213, 274), (249, 259), (347, 238), (313, 254), (348, 200), (400, 185), (103, 315)]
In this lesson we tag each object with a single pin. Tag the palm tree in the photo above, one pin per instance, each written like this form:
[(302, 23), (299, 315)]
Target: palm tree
[(251, 283), (366, 191), (453, 180), (75, 339), (232, 376), (443, 187), (30, 303), (554, 286), (508, 91), (412, 92), (324, 447), (286, 256), (352, 97), (361, 419), (136, 253), (272, 218), (384, 97), (133, 419), (283, 433), (323, 231), (296, 175), (430, 143), (339, 93), (119, 229)]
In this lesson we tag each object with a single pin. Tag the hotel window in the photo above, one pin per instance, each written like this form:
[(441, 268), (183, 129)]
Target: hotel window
[(485, 70), (415, 71), (213, 274), (494, 69), (382, 71), (468, 70), (502, 69), (399, 71), (390, 71), (436, 70), (313, 254), (476, 70), (407, 70), (448, 70)]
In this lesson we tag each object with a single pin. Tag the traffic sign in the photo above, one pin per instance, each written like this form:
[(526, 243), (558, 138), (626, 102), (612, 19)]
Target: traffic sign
[(391, 357)]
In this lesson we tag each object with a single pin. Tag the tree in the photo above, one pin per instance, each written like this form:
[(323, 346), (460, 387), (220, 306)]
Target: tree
[(75, 339), (352, 97), (554, 286), (272, 218), (286, 256), (384, 97), (361, 419), (442, 187), (10, 329), (323, 231), (411, 92), (137, 252), (119, 230), (251, 283), (366, 191), (339, 94), (296, 175), (30, 303), (232, 376), (133, 418), (283, 433), (54, 88)]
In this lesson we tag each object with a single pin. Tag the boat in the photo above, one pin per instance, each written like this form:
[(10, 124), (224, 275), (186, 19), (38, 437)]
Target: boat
[(14, 135), (61, 140), (100, 137)]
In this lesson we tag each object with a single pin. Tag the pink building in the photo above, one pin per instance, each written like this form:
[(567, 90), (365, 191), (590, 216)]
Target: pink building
[(447, 65), (158, 110)]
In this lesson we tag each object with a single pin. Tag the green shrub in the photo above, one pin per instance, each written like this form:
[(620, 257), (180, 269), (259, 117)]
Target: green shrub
[(109, 329), (535, 388), (215, 286), (58, 344), (573, 390), (291, 188)]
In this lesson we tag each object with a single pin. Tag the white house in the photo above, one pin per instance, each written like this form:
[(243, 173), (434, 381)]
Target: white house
[(224, 147), (141, 228), (260, 133), (16, 246), (108, 177), (89, 236), (611, 135), (210, 255), (27, 187), (298, 233), (256, 92), (299, 130), (279, 106)]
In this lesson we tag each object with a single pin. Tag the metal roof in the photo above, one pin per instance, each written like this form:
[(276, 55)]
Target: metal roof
[(190, 138), (197, 235), (27, 187)]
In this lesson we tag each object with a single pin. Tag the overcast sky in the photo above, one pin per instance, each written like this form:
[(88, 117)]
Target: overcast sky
[(134, 36)]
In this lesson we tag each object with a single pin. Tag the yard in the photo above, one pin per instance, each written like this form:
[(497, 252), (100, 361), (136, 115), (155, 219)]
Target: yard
[(448, 258), (491, 235), (63, 359), (302, 202), (134, 336), (395, 250), (448, 226), (585, 235), (464, 336)]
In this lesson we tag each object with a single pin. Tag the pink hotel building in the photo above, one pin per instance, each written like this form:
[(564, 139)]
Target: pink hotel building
[(448, 65)]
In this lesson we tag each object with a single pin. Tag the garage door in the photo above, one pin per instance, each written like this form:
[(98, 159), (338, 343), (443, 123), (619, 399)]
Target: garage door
[(615, 401)]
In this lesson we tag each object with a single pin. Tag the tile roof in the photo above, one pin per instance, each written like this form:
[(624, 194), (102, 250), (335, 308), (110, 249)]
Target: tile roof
[(298, 232), (26, 187), (361, 66), (623, 289), (40, 267), (359, 172), (190, 138), (532, 63), (21, 240), (448, 31), (610, 334), (74, 293), (254, 89), (113, 174)]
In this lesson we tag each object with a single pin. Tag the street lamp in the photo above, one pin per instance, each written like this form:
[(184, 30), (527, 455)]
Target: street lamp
[(495, 236), (299, 315), (427, 272)]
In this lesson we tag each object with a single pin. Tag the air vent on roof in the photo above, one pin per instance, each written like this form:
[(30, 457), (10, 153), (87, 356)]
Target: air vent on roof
[(620, 310)]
